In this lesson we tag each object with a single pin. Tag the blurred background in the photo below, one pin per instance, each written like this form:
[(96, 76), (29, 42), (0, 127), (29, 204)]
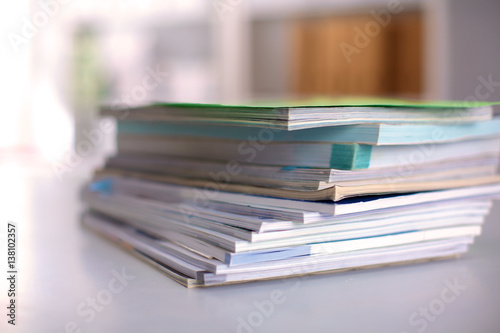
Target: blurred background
[(63, 58)]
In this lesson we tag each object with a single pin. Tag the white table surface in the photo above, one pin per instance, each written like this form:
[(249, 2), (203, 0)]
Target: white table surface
[(62, 265)]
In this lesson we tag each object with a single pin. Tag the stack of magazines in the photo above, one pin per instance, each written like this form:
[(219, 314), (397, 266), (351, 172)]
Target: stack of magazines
[(220, 194)]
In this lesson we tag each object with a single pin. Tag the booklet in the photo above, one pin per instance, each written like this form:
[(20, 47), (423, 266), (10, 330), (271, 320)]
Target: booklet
[(307, 155), (299, 178), (194, 269), (308, 114), (373, 134), (333, 193)]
